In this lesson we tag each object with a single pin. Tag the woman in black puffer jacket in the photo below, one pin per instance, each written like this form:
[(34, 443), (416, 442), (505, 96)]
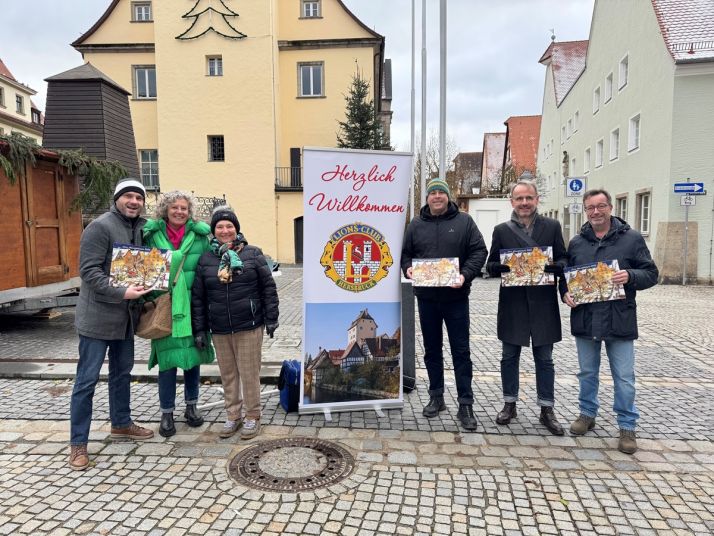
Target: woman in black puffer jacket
[(234, 296)]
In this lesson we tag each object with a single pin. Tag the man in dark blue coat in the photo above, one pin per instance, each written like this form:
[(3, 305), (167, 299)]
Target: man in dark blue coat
[(442, 231), (528, 314), (605, 238)]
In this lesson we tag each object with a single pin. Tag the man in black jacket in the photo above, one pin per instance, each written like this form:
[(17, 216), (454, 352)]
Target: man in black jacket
[(442, 231), (528, 314), (605, 238)]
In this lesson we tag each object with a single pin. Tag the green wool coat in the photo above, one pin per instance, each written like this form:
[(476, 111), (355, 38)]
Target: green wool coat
[(179, 349)]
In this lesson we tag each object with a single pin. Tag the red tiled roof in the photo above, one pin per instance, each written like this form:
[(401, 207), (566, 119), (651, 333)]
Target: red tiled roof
[(687, 28), (567, 60), (5, 71), (522, 133)]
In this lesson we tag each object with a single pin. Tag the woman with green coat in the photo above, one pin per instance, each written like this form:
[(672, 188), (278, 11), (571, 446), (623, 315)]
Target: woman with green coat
[(175, 229)]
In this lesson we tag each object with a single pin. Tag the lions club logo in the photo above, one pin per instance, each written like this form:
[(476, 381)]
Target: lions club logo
[(356, 257)]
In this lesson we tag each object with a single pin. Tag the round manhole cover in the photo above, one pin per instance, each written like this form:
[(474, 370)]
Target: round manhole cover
[(297, 464)]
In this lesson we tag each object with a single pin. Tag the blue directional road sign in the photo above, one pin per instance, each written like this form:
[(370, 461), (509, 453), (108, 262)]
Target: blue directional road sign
[(689, 188)]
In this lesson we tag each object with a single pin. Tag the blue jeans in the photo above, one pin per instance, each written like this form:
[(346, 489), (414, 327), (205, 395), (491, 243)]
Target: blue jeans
[(167, 387), (545, 373), (456, 317), (91, 356), (621, 355)]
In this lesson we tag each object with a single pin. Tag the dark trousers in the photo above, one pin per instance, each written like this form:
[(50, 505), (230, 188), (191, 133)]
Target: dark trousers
[(167, 387), (456, 317), (545, 373)]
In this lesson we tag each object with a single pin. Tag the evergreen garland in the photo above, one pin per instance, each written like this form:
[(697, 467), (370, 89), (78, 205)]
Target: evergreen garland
[(100, 176)]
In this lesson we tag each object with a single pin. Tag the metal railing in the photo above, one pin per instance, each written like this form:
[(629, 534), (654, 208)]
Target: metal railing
[(288, 179)]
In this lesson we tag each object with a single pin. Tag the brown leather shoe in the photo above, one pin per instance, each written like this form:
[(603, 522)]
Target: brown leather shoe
[(78, 457), (133, 431)]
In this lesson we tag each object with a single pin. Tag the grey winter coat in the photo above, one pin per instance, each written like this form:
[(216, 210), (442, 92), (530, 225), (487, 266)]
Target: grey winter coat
[(102, 312), (617, 319), (528, 314)]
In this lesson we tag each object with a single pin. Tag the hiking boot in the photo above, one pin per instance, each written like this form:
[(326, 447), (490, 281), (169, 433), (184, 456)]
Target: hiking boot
[(582, 424), (467, 417), (78, 457), (548, 419), (193, 417), (251, 428), (507, 413), (435, 405), (167, 427), (230, 428), (133, 431), (628, 441)]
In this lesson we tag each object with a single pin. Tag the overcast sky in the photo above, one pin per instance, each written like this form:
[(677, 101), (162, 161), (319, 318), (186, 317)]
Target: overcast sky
[(492, 67)]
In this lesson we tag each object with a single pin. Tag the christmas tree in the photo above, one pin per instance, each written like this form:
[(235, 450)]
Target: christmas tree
[(211, 15), (362, 129)]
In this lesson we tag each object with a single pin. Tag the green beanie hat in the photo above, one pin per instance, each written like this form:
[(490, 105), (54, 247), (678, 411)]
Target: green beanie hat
[(437, 184)]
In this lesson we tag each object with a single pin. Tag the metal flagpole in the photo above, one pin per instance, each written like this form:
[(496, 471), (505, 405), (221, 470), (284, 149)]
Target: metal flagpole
[(412, 209), (442, 90), (423, 104)]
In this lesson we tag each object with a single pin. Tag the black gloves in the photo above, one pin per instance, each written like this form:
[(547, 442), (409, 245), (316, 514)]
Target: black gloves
[(200, 340), (501, 269), (270, 328), (556, 269)]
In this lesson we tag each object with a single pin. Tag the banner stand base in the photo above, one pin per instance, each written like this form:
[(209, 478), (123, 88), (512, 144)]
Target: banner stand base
[(328, 415)]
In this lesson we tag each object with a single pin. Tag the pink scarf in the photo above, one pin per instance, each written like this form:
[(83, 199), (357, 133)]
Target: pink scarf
[(175, 236)]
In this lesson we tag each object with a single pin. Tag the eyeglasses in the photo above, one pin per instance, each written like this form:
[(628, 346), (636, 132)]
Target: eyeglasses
[(601, 207)]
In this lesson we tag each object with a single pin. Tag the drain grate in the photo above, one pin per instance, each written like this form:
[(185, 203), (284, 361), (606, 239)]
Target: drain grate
[(297, 464)]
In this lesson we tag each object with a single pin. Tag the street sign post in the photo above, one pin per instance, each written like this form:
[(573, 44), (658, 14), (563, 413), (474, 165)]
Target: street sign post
[(575, 208), (575, 186), (687, 190)]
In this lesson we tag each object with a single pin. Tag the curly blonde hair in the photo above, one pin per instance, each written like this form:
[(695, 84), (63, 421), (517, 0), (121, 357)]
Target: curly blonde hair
[(169, 198)]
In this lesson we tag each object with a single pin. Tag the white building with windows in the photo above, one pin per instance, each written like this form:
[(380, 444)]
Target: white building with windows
[(17, 111), (632, 111)]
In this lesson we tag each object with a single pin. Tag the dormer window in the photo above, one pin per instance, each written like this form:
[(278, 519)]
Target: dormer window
[(311, 9), (36, 117), (141, 12)]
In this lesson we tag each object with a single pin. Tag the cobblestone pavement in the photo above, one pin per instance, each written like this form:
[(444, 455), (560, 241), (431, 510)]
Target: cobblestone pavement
[(413, 475)]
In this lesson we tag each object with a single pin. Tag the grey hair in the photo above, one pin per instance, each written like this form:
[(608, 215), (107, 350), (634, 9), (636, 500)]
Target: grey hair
[(169, 198), (525, 182), (598, 191)]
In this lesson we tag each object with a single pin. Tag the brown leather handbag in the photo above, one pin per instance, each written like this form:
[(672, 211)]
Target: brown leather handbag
[(155, 320)]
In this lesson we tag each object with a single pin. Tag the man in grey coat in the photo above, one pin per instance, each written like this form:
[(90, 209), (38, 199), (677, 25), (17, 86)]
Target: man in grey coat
[(105, 318), (528, 315)]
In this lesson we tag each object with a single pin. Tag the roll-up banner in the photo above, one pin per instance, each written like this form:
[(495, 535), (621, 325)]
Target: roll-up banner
[(354, 217)]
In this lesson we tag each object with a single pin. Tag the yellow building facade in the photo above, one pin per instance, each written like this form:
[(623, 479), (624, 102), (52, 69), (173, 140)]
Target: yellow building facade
[(226, 93), (17, 111)]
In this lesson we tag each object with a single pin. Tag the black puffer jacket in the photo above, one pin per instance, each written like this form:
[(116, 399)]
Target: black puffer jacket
[(452, 234), (249, 301), (617, 319)]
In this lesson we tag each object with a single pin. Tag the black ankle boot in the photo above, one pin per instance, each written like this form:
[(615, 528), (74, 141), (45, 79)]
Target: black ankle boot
[(167, 428), (193, 416), (467, 417), (507, 413), (548, 419), (435, 405)]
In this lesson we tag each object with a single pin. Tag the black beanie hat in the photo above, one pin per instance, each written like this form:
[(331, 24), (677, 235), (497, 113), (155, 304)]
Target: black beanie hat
[(129, 185), (224, 212)]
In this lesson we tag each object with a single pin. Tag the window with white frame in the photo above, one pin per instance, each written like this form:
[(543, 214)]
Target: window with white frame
[(149, 162), (36, 117), (633, 138), (2, 97), (599, 146), (572, 166), (586, 161), (570, 128), (615, 144), (216, 149), (643, 212), (576, 120), (562, 135), (19, 104), (311, 79), (214, 65), (596, 100), (141, 11), (624, 72), (621, 207), (145, 82), (310, 8), (608, 87)]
